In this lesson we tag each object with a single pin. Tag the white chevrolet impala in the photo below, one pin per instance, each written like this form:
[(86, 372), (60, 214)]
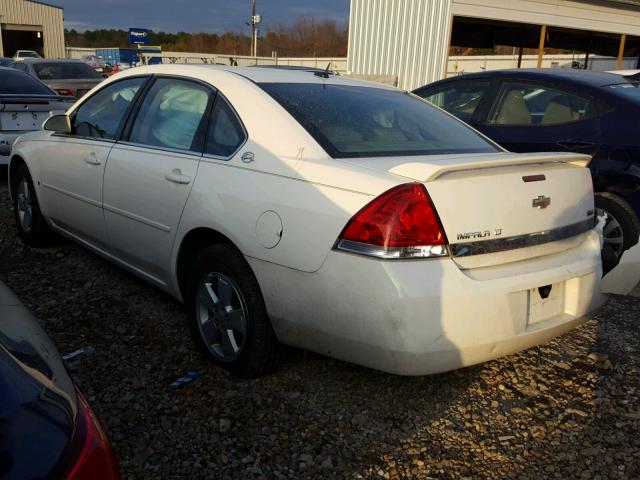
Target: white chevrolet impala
[(343, 217)]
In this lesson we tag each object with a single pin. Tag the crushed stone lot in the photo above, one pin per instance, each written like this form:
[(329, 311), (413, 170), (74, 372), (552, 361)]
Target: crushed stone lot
[(567, 409)]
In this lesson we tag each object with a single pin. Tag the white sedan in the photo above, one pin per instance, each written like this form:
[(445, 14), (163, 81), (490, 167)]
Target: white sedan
[(343, 217)]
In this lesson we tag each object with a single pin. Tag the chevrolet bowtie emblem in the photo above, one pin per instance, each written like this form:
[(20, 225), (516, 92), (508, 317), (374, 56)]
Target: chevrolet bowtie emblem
[(541, 202)]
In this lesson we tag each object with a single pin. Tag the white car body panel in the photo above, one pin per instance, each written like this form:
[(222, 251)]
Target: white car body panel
[(285, 207), (142, 209), (422, 317), (71, 187)]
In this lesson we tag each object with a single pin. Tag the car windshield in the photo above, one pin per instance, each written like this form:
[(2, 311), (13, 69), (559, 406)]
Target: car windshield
[(14, 82), (353, 121), (64, 70), (28, 54), (629, 89)]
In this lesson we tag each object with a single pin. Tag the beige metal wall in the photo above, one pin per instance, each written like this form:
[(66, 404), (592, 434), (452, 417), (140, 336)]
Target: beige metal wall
[(407, 39), (611, 17), (42, 17), (410, 38)]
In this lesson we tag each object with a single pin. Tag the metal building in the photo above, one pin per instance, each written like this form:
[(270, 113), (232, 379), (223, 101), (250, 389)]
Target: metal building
[(410, 39), (31, 25)]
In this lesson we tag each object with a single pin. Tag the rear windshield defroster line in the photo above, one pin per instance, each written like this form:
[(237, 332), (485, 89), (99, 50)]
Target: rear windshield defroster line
[(354, 121)]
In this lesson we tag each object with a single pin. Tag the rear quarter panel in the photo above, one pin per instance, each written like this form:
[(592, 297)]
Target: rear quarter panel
[(616, 167), (230, 199)]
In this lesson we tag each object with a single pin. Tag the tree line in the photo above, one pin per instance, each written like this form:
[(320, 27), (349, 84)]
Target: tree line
[(308, 37)]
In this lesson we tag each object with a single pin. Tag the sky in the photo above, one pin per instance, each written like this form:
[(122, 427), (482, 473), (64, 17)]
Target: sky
[(211, 16)]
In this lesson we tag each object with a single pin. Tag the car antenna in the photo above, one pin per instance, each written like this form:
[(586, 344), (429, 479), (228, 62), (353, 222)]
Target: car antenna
[(324, 74)]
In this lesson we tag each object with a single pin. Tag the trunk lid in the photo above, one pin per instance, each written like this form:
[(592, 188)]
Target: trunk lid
[(28, 112), (503, 207)]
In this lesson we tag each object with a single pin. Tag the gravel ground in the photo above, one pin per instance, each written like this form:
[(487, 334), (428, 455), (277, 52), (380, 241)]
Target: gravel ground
[(568, 409)]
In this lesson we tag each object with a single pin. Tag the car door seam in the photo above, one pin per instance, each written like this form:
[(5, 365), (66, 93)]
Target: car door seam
[(72, 195), (137, 218)]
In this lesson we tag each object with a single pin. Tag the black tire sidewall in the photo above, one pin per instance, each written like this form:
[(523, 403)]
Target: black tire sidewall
[(258, 354), (626, 217)]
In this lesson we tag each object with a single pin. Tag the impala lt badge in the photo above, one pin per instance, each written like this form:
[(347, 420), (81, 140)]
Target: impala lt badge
[(485, 233), (541, 202)]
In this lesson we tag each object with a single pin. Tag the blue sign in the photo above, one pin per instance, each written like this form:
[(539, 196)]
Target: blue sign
[(138, 36)]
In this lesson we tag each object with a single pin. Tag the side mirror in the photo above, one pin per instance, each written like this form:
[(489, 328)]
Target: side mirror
[(58, 124)]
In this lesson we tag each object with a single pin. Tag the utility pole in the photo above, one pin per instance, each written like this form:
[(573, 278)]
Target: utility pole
[(255, 21), (253, 28)]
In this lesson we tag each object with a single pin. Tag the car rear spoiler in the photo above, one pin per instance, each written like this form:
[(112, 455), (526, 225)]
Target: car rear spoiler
[(428, 171), (32, 99)]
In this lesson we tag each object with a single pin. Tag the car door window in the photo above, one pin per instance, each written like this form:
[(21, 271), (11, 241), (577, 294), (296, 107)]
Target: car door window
[(225, 130), (461, 99), (171, 115), (103, 113), (527, 104)]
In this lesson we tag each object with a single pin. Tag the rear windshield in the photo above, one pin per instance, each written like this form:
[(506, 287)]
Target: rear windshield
[(14, 82), (630, 89), (28, 54), (356, 121), (61, 71)]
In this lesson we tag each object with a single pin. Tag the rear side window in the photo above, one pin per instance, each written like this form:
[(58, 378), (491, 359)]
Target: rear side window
[(461, 99), (527, 104), (103, 113), (64, 70), (171, 115), (225, 130), (28, 54), (13, 82), (354, 121)]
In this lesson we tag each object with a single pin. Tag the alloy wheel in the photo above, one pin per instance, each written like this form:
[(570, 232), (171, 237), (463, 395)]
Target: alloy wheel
[(25, 206), (222, 316), (612, 233)]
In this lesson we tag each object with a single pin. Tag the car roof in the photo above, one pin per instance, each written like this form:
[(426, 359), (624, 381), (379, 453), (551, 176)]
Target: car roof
[(11, 69), (583, 77), (47, 60), (256, 75), (294, 67)]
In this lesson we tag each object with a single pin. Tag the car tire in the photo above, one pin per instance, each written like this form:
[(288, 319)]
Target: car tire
[(32, 227), (227, 316), (621, 231)]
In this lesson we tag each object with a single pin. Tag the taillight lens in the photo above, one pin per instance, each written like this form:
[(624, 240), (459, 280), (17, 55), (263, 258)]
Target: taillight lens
[(95, 459), (400, 223), (65, 92)]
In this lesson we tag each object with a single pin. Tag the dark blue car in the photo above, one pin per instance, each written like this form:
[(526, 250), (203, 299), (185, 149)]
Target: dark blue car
[(47, 429), (595, 113)]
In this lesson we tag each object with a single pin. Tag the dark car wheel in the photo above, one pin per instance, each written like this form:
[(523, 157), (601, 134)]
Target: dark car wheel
[(32, 227), (621, 231), (227, 316)]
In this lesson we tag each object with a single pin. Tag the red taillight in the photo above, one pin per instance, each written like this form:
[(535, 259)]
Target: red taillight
[(401, 223), (65, 92), (95, 459)]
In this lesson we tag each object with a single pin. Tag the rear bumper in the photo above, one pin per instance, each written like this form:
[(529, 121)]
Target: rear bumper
[(6, 141), (427, 316)]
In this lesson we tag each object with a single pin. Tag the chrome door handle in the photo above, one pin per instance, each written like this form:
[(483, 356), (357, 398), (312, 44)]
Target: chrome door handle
[(176, 176), (92, 159)]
